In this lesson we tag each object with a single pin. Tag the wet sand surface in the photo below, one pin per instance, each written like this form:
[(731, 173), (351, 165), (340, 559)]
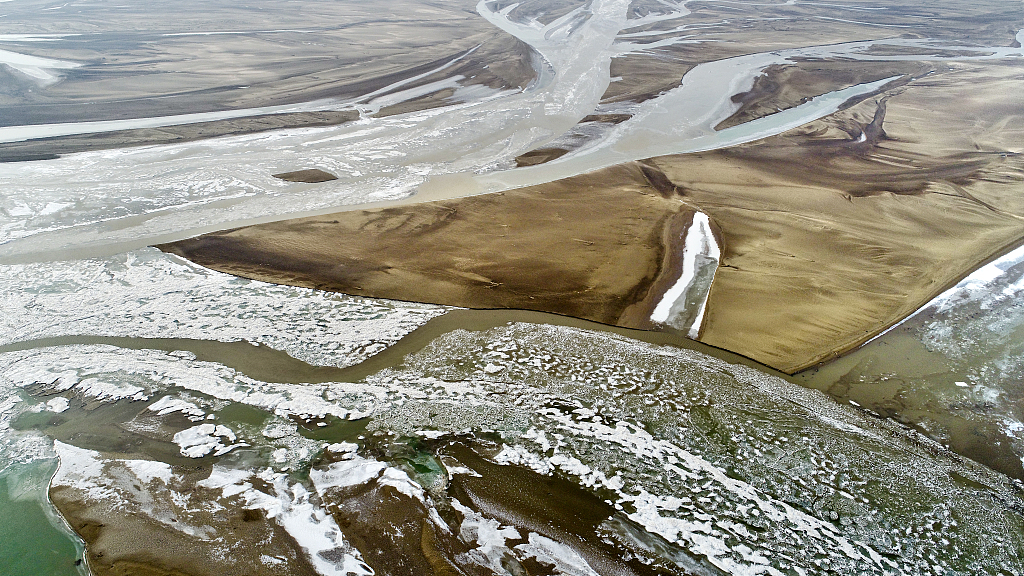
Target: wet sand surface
[(600, 247), (304, 62)]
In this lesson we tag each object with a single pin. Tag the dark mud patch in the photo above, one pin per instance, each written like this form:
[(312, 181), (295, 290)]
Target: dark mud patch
[(309, 176), (539, 156)]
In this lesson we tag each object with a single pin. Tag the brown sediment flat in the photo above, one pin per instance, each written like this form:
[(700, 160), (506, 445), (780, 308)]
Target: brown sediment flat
[(642, 77), (394, 533), (160, 528), (592, 247), (828, 240), (309, 176), (396, 536)]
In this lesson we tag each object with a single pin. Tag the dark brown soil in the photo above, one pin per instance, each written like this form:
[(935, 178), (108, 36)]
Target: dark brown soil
[(311, 176)]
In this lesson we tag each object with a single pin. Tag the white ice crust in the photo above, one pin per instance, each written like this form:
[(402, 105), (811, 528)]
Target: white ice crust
[(700, 244), (201, 440)]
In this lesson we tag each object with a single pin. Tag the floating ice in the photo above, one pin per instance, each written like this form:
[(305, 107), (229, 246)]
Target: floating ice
[(170, 404), (354, 472), (58, 405), (198, 441), (149, 294)]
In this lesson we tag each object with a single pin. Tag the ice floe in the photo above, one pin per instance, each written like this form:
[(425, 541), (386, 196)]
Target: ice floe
[(58, 404), (171, 404), (198, 441)]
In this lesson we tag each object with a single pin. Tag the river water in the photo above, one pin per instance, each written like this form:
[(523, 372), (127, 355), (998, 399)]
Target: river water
[(35, 539), (105, 202)]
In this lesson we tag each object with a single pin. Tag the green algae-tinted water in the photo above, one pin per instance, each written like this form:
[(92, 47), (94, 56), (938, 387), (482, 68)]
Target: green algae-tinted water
[(33, 539)]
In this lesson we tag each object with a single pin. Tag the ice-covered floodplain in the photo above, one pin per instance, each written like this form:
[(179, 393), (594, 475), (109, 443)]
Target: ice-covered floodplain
[(110, 201), (703, 466), (149, 294)]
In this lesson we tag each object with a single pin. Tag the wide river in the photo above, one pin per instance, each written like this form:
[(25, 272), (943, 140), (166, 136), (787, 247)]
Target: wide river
[(701, 461)]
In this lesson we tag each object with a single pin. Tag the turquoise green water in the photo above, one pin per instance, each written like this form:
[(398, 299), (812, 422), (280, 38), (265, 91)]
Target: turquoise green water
[(33, 539)]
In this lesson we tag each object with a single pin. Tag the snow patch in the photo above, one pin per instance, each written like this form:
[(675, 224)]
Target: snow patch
[(149, 470), (198, 441), (170, 404)]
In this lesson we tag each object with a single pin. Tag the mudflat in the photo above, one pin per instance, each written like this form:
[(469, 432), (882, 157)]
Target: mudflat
[(600, 246), (834, 231)]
